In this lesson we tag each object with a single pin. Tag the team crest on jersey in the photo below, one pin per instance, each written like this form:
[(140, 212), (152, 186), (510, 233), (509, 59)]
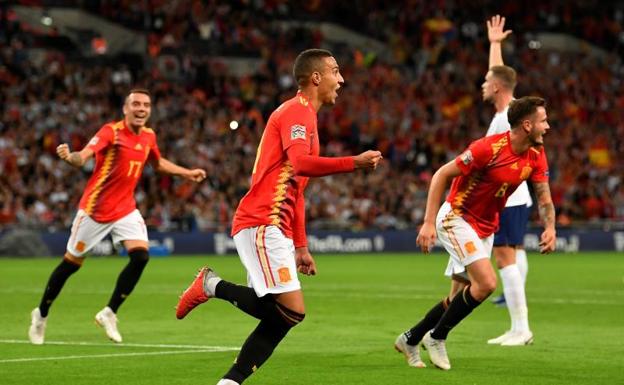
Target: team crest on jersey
[(93, 141), (466, 157), (297, 132)]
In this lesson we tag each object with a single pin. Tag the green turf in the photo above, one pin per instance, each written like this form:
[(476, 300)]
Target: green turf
[(356, 307)]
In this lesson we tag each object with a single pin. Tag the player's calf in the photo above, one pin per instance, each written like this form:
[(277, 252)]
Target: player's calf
[(59, 276), (262, 341), (128, 277)]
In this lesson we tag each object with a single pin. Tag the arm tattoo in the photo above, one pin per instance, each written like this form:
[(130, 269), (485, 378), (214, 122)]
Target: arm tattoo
[(546, 207), (547, 214)]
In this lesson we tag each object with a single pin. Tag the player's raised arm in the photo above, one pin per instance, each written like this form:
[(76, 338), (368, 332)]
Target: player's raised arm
[(547, 215), (168, 167), (368, 160), (496, 35), (75, 158), (317, 166), (440, 180)]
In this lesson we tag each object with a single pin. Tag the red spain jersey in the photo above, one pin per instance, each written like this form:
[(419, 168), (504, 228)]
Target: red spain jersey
[(491, 171), (120, 156), (275, 189)]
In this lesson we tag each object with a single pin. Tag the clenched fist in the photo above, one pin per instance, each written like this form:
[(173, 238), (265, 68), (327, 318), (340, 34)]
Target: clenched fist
[(62, 150), (368, 159)]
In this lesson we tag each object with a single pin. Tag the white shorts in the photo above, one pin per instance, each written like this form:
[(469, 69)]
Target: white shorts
[(86, 233), (269, 258), (461, 241)]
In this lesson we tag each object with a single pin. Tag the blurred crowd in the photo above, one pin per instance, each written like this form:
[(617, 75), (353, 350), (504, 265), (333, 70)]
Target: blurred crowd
[(420, 106)]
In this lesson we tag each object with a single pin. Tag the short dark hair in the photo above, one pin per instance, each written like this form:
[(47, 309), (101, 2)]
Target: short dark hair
[(522, 108), (506, 75), (137, 91), (307, 62)]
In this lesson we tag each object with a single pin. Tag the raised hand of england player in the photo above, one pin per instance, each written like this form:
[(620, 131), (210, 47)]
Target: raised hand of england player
[(495, 27), (426, 237)]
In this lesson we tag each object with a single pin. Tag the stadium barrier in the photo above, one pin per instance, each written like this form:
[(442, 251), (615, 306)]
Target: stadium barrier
[(162, 244)]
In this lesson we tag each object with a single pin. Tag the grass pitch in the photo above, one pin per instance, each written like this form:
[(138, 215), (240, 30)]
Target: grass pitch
[(356, 307)]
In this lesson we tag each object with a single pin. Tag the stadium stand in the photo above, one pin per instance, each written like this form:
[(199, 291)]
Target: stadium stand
[(417, 99)]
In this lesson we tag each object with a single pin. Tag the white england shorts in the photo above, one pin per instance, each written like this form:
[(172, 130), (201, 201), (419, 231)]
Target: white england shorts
[(461, 241), (269, 258), (86, 233)]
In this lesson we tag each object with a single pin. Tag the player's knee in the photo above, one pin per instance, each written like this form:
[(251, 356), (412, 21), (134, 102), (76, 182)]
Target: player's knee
[(72, 260), (70, 266), (139, 256), (289, 317), (505, 255), (487, 286), (483, 288)]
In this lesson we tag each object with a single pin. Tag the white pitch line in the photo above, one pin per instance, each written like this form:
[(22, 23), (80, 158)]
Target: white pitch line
[(80, 343), (543, 300), (112, 355)]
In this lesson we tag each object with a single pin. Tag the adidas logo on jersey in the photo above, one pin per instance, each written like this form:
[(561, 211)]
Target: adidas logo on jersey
[(514, 166), (138, 147)]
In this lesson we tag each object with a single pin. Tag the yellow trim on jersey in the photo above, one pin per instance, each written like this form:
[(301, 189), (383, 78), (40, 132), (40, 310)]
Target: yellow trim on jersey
[(451, 235), (105, 172), (147, 129), (263, 258), (461, 196), (280, 192), (74, 229), (303, 101), (258, 154), (497, 146)]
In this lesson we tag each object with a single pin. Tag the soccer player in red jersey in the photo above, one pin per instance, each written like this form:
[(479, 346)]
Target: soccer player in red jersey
[(121, 150), (482, 177), (508, 250), (269, 224)]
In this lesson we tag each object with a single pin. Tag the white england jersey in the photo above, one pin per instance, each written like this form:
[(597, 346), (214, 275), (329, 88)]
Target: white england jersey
[(521, 196)]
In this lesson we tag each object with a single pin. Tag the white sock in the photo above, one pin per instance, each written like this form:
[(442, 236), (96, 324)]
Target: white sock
[(210, 286), (515, 297), (523, 264)]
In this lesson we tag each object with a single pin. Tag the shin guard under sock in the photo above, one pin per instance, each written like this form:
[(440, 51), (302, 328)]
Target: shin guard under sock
[(55, 284), (128, 278), (460, 307)]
